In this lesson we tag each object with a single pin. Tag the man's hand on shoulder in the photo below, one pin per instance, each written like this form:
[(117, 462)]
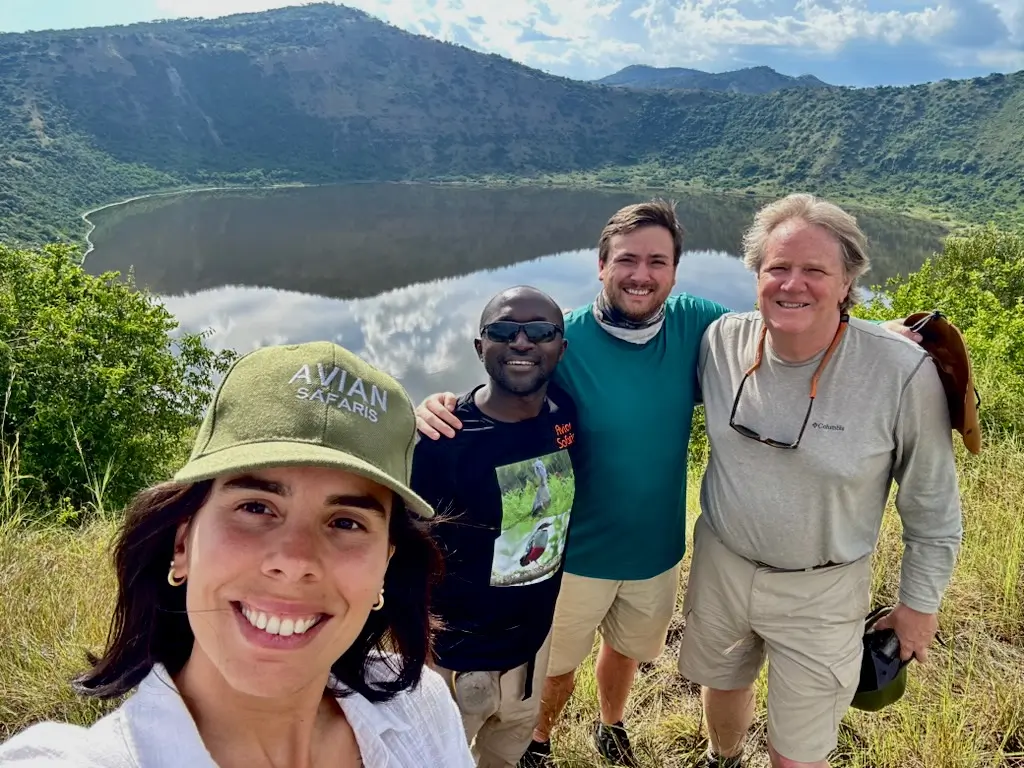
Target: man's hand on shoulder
[(435, 416), (897, 326)]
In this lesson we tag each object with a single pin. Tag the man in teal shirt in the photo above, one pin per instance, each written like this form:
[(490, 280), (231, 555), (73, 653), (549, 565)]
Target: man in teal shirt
[(631, 367)]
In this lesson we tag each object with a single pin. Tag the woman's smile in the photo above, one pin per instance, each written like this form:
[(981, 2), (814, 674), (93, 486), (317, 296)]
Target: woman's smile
[(276, 631)]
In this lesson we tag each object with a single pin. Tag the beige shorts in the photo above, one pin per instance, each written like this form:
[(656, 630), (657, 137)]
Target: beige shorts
[(809, 625), (500, 726), (633, 617)]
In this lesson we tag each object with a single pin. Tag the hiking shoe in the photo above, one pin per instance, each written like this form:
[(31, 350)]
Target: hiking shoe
[(717, 761), (613, 744), (537, 755)]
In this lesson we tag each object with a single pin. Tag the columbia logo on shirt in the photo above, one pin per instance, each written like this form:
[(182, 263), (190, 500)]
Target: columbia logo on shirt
[(831, 427)]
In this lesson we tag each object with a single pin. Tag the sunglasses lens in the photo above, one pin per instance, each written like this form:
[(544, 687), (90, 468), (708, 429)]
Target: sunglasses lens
[(502, 332), (540, 333)]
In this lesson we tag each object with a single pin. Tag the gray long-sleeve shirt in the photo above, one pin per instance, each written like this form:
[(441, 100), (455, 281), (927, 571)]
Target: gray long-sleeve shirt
[(880, 415)]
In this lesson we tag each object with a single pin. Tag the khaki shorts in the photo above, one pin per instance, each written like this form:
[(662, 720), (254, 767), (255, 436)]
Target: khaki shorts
[(500, 725), (809, 625), (633, 617)]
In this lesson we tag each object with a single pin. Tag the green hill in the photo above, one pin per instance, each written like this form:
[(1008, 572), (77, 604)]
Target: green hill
[(951, 145), (748, 80), (324, 93)]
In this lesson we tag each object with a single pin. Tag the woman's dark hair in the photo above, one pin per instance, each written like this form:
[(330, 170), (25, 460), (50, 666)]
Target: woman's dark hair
[(150, 624)]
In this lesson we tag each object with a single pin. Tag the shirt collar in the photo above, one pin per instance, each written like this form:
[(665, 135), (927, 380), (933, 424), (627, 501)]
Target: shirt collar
[(160, 730), (366, 716), (375, 718), (159, 721), (370, 722)]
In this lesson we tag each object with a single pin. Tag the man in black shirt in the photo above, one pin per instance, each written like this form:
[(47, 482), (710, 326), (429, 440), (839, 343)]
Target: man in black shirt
[(503, 489)]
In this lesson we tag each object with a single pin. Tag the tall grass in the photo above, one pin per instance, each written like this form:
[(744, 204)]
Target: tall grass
[(965, 708), (57, 587)]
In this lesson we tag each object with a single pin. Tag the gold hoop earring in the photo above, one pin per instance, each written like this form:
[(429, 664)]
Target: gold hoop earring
[(380, 602), (172, 579)]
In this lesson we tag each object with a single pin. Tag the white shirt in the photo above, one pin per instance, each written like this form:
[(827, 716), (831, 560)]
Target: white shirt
[(153, 729)]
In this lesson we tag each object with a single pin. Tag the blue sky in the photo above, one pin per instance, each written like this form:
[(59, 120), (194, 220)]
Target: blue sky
[(847, 42)]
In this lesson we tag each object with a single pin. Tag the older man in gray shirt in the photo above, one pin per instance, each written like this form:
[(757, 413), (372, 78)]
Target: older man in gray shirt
[(810, 415)]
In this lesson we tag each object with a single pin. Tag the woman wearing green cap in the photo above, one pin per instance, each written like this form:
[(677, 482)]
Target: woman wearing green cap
[(272, 604)]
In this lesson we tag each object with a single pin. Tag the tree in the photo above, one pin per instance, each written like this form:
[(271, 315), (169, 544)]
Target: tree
[(99, 387), (978, 283)]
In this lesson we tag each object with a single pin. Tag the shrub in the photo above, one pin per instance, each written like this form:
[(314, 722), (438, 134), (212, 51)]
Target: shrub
[(96, 392), (978, 283)]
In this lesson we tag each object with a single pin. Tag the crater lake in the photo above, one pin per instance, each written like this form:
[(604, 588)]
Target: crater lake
[(399, 273)]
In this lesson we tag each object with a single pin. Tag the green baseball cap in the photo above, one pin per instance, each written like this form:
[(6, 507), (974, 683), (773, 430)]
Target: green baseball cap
[(313, 404)]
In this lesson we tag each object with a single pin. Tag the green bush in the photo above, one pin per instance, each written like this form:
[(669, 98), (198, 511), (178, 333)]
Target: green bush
[(978, 283), (97, 393)]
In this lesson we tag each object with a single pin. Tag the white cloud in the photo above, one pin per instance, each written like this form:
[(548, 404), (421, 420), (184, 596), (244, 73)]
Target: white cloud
[(423, 334), (696, 30), (1012, 14), (403, 332), (1001, 60), (576, 25), (588, 38)]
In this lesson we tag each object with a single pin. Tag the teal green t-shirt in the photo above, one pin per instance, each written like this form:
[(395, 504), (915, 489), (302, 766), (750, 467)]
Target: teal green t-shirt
[(635, 404)]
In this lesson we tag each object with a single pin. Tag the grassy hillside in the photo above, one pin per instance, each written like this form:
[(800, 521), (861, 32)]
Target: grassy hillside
[(319, 93), (952, 142), (49, 174), (324, 93), (952, 147)]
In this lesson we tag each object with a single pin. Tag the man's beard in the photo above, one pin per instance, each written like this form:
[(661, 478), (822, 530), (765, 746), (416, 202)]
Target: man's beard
[(614, 314)]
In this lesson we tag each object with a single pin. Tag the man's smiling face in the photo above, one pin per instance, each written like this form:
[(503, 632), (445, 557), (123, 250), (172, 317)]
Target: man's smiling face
[(802, 280), (522, 366), (639, 272)]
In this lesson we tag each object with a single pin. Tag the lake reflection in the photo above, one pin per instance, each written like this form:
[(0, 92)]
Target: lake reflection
[(399, 273)]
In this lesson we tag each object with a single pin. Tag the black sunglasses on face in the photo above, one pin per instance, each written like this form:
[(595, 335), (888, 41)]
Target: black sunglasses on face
[(753, 434), (506, 331)]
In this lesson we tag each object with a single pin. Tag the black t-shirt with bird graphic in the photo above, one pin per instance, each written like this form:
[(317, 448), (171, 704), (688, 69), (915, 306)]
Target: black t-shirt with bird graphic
[(503, 492)]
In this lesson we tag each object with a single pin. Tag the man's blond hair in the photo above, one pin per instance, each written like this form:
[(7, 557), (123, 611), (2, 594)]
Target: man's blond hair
[(853, 243)]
